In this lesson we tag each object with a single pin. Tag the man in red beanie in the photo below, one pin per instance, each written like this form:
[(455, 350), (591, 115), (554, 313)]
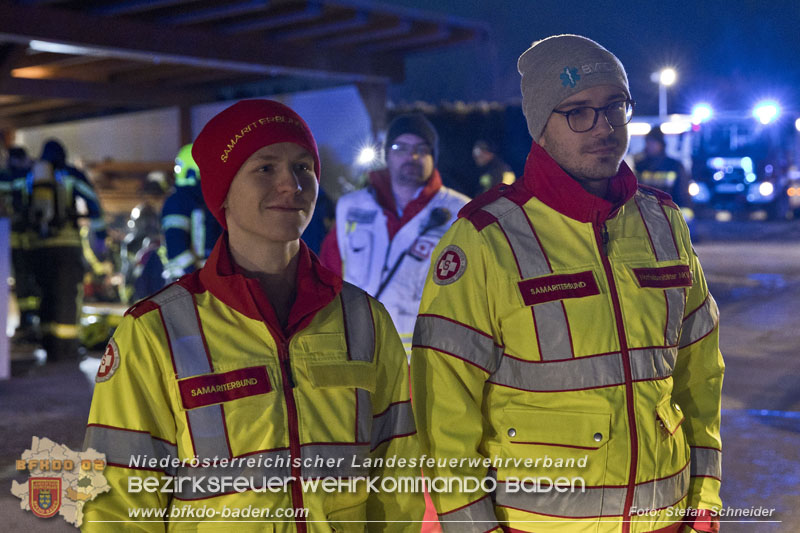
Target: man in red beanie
[(247, 381)]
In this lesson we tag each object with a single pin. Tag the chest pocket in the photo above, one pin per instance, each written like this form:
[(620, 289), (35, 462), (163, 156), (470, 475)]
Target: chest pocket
[(673, 281)]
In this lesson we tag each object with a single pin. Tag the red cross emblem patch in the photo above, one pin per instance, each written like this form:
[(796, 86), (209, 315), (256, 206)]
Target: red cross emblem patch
[(109, 363), (450, 265)]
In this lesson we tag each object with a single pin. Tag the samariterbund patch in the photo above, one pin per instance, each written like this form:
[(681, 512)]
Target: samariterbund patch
[(664, 277), (217, 388), (557, 287)]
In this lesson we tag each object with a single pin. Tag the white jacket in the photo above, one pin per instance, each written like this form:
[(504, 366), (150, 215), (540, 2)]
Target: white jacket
[(392, 271)]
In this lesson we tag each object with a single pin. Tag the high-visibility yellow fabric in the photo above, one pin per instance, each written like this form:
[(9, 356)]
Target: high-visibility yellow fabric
[(346, 409), (618, 386)]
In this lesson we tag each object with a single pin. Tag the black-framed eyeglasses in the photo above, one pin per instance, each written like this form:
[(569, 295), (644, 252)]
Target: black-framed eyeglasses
[(421, 150), (582, 119)]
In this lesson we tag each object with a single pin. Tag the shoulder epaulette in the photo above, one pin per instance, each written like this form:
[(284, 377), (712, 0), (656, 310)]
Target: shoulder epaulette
[(662, 197), (474, 212), (190, 282)]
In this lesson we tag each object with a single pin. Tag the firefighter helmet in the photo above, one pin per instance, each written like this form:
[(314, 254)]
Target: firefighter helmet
[(187, 174)]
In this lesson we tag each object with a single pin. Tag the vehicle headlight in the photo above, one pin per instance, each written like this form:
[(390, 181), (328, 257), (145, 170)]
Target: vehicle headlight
[(766, 189), (694, 189)]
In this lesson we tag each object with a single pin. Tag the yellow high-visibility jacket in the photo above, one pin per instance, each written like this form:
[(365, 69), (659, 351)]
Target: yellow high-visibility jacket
[(202, 369), (567, 347)]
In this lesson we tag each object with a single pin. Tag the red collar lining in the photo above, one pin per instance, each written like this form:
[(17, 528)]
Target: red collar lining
[(381, 182), (546, 180), (316, 287)]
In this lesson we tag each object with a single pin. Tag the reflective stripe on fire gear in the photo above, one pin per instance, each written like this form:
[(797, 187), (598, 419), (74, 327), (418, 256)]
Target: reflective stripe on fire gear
[(593, 502), (700, 322), (706, 462), (207, 424), (477, 517), (658, 227), (123, 445), (181, 222)]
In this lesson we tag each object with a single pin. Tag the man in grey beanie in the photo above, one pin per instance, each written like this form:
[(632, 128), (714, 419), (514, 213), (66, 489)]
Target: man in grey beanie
[(566, 338)]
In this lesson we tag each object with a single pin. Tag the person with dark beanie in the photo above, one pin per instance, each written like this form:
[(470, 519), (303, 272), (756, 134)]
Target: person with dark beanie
[(261, 368), (384, 234)]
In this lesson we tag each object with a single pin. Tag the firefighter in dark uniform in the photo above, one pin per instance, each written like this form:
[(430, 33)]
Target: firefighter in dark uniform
[(190, 230), (656, 169), (25, 289), (49, 198)]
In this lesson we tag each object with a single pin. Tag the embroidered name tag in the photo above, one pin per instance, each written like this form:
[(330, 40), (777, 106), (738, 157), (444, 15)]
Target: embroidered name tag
[(558, 287), (217, 388), (664, 277)]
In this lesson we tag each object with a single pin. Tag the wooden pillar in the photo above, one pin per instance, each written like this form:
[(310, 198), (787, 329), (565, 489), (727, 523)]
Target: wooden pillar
[(185, 125), (374, 97)]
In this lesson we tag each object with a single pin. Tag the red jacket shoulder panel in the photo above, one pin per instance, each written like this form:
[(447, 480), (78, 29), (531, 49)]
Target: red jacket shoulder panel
[(662, 197)]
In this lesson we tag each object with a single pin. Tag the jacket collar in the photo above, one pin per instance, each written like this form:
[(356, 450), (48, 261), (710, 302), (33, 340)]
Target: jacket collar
[(316, 287), (546, 180), (381, 183)]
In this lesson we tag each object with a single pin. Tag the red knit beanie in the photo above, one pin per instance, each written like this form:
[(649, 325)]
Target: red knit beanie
[(236, 133)]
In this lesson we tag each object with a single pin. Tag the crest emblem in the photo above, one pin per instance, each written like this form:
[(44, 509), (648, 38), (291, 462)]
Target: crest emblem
[(451, 265), (109, 363), (44, 495)]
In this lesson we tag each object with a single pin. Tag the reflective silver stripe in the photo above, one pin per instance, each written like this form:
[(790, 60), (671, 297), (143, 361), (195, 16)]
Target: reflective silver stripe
[(189, 355), (476, 517), (121, 446), (652, 363), (183, 330), (208, 431), (596, 501), (584, 372), (658, 227), (552, 331), (661, 493), (83, 188), (676, 300), (453, 338), (571, 374), (700, 322), (359, 327), (591, 502), (706, 462), (363, 415), (515, 224), (199, 232), (180, 222), (396, 421), (551, 321), (349, 460), (274, 464)]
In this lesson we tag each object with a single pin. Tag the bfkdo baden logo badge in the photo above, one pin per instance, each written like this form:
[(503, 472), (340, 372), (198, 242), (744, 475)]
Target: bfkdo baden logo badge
[(44, 495)]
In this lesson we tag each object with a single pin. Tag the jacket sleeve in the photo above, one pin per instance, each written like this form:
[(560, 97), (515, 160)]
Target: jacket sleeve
[(130, 418), (455, 350), (329, 253), (698, 388), (394, 435)]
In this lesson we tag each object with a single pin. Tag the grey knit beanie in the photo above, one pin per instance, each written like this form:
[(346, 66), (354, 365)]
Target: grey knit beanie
[(557, 67)]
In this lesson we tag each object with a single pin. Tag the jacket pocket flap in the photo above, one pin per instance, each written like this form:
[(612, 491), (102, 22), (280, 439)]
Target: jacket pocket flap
[(670, 415), (342, 374), (557, 428)]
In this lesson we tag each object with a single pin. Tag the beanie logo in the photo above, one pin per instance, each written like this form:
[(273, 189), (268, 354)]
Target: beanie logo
[(570, 77), (252, 126)]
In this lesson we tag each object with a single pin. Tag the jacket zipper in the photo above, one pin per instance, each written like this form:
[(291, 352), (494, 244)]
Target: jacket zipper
[(294, 433), (602, 241)]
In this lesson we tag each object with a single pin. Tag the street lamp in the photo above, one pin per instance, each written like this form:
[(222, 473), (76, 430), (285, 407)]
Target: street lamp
[(665, 77)]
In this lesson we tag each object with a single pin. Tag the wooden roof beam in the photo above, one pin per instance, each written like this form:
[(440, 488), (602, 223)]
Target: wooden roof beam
[(130, 39)]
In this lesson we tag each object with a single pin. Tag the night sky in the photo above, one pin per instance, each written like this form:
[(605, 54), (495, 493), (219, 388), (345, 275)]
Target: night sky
[(729, 53)]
